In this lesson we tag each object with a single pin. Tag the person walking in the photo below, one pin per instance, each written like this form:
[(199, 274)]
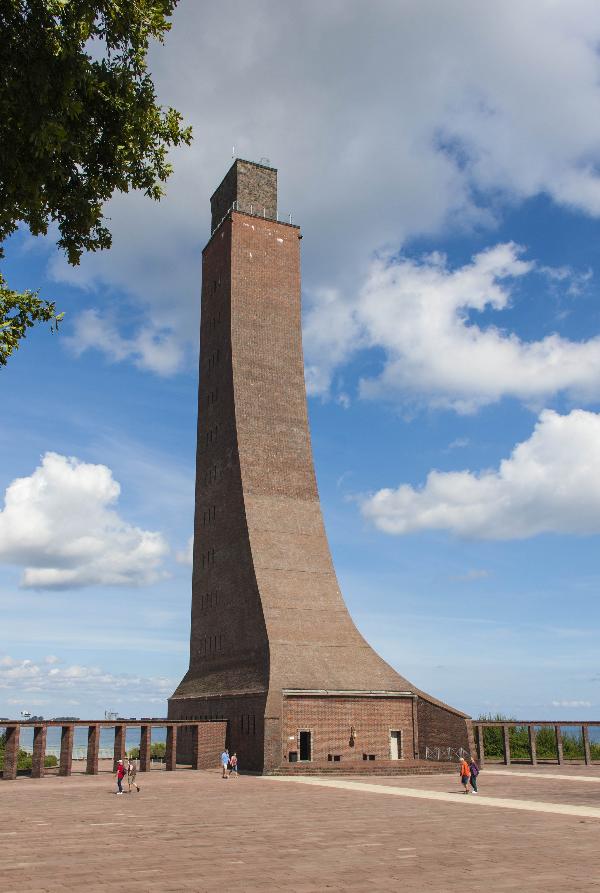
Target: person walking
[(465, 774), (120, 776), (233, 762), (131, 776), (225, 763), (474, 770)]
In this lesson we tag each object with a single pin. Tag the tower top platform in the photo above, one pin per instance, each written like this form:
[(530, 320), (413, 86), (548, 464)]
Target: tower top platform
[(247, 186)]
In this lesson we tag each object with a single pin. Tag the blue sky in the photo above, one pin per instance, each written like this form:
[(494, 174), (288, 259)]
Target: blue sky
[(445, 175)]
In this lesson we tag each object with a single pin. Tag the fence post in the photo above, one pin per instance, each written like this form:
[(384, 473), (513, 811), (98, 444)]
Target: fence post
[(39, 752), (559, 745), (532, 744), (145, 745), (506, 739), (119, 748), (93, 747), (171, 749), (66, 750), (480, 746), (11, 752), (585, 732)]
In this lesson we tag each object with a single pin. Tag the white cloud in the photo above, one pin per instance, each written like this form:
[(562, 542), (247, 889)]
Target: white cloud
[(417, 313), (31, 683), (471, 575), (571, 703), (186, 556), (549, 484), (61, 526), (149, 348), (385, 121)]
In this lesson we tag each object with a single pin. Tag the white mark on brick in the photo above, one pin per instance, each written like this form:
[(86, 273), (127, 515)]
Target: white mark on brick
[(457, 799), (279, 240)]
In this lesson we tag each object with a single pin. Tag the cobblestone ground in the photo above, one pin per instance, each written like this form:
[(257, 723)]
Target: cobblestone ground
[(192, 831)]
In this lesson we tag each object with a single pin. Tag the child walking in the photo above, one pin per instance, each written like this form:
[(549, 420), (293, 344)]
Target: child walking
[(131, 776)]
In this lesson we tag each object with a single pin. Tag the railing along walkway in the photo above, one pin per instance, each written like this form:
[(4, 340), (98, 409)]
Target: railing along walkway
[(532, 727)]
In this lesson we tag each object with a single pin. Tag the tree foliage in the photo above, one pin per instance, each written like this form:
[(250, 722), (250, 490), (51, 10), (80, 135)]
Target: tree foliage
[(20, 311), (545, 740), (79, 121), (24, 759), (157, 751)]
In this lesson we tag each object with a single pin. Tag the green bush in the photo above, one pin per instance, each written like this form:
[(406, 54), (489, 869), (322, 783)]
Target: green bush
[(24, 760), (545, 740), (157, 751)]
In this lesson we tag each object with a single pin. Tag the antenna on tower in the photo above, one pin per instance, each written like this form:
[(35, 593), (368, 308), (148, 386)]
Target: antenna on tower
[(233, 152)]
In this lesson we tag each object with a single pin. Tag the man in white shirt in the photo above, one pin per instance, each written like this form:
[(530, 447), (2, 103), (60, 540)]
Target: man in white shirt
[(225, 762)]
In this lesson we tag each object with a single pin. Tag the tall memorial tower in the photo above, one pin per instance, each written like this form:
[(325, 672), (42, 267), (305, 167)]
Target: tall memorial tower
[(273, 648)]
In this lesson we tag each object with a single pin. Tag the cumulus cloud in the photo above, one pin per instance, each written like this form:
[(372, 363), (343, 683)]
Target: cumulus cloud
[(60, 524), (31, 682), (549, 484), (422, 315), (150, 348), (386, 121)]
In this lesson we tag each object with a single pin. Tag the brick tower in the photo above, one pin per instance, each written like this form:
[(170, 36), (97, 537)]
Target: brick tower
[(273, 648)]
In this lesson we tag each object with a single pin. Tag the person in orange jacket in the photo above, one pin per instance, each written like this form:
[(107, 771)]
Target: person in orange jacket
[(465, 774)]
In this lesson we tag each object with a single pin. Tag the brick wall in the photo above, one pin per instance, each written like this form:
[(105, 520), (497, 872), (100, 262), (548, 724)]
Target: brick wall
[(440, 727), (242, 732), (252, 186), (330, 720)]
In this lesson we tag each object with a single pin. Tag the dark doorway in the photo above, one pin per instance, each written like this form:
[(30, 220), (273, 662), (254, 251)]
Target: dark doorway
[(305, 745)]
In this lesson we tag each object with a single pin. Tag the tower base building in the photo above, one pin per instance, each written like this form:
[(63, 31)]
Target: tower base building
[(273, 648)]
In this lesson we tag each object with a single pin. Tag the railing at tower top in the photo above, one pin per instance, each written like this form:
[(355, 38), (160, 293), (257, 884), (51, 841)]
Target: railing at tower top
[(254, 211)]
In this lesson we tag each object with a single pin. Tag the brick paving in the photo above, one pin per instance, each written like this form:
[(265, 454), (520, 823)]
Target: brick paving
[(572, 786), (192, 831)]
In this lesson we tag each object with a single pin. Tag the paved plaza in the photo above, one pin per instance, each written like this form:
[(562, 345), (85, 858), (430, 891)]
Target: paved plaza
[(528, 830)]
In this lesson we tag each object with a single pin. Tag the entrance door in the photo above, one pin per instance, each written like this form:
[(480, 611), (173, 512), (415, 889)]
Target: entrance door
[(395, 745), (305, 747)]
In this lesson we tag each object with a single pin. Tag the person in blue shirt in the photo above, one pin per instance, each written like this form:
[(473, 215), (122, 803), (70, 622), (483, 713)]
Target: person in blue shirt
[(225, 762)]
